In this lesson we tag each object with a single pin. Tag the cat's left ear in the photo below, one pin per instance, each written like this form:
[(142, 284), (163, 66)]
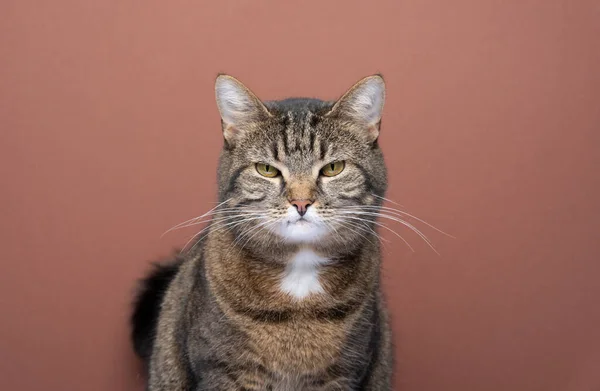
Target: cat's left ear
[(363, 105), (238, 106)]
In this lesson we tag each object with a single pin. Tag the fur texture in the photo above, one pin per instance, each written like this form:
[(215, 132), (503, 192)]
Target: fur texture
[(271, 297), (147, 306)]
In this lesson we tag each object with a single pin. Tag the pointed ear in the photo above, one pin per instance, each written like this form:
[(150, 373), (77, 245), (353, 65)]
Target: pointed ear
[(238, 106), (363, 105)]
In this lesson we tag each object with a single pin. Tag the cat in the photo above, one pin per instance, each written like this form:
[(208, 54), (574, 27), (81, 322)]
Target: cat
[(283, 290)]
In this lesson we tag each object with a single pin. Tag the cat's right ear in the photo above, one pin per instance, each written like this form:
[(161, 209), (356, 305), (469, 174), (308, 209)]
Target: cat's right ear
[(363, 105), (238, 107)]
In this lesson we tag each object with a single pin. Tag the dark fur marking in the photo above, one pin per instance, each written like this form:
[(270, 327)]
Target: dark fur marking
[(368, 184), (233, 179), (323, 149), (314, 120), (355, 199), (281, 187), (337, 313), (286, 147), (248, 201), (275, 150), (266, 316)]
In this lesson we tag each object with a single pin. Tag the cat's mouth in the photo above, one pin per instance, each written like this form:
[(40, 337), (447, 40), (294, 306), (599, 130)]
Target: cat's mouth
[(301, 221), (301, 229)]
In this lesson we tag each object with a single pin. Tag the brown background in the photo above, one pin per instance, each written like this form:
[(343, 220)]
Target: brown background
[(109, 136)]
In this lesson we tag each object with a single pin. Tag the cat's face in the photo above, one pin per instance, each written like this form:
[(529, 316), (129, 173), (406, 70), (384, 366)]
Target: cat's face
[(294, 171)]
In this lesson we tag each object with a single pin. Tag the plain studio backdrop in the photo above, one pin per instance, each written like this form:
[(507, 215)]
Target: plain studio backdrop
[(109, 135)]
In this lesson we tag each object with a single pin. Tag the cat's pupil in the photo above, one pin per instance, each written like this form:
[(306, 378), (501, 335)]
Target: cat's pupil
[(332, 166), (267, 168)]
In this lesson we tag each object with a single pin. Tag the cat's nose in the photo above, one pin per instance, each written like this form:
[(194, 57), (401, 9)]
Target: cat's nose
[(301, 206)]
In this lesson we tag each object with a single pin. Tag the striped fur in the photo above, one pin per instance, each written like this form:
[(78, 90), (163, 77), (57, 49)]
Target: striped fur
[(269, 300)]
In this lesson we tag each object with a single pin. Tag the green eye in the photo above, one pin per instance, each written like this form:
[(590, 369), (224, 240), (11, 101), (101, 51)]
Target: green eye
[(266, 170), (333, 169)]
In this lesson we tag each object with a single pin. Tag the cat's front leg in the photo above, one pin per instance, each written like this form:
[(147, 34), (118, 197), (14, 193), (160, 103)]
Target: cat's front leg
[(168, 370)]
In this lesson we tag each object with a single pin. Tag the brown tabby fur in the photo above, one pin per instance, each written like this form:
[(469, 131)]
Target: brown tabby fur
[(224, 323)]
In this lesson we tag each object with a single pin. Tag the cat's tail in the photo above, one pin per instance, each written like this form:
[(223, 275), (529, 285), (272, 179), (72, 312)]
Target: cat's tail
[(147, 304)]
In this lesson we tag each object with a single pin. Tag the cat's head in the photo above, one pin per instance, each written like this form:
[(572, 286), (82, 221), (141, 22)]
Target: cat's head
[(295, 171)]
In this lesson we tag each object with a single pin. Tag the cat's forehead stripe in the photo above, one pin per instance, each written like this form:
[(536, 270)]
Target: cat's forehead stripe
[(297, 135)]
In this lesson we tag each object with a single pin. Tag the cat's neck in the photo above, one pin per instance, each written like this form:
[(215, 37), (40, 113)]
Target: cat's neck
[(288, 277)]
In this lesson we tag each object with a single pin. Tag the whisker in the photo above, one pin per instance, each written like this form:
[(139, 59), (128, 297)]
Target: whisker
[(385, 227), (258, 228), (218, 227), (210, 228), (228, 217), (405, 223), (332, 227), (386, 199), (348, 225), (233, 224), (205, 214), (401, 212), (362, 225)]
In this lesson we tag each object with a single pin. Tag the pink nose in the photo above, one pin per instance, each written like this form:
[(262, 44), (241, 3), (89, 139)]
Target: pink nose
[(301, 205)]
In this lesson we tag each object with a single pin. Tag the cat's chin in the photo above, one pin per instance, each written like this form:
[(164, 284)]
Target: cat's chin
[(301, 231), (298, 229)]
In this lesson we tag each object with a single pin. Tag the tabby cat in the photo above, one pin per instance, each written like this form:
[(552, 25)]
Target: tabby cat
[(283, 290)]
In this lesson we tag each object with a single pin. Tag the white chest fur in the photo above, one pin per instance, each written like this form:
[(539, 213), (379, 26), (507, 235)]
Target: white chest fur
[(301, 276)]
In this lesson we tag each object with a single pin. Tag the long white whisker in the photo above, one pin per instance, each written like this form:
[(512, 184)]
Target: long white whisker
[(386, 199), (210, 213), (234, 224), (384, 215), (385, 227), (399, 213), (361, 225), (205, 214), (348, 225), (218, 227), (405, 223), (227, 217)]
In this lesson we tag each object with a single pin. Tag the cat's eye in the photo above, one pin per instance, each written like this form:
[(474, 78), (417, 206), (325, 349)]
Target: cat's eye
[(266, 170), (333, 169)]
